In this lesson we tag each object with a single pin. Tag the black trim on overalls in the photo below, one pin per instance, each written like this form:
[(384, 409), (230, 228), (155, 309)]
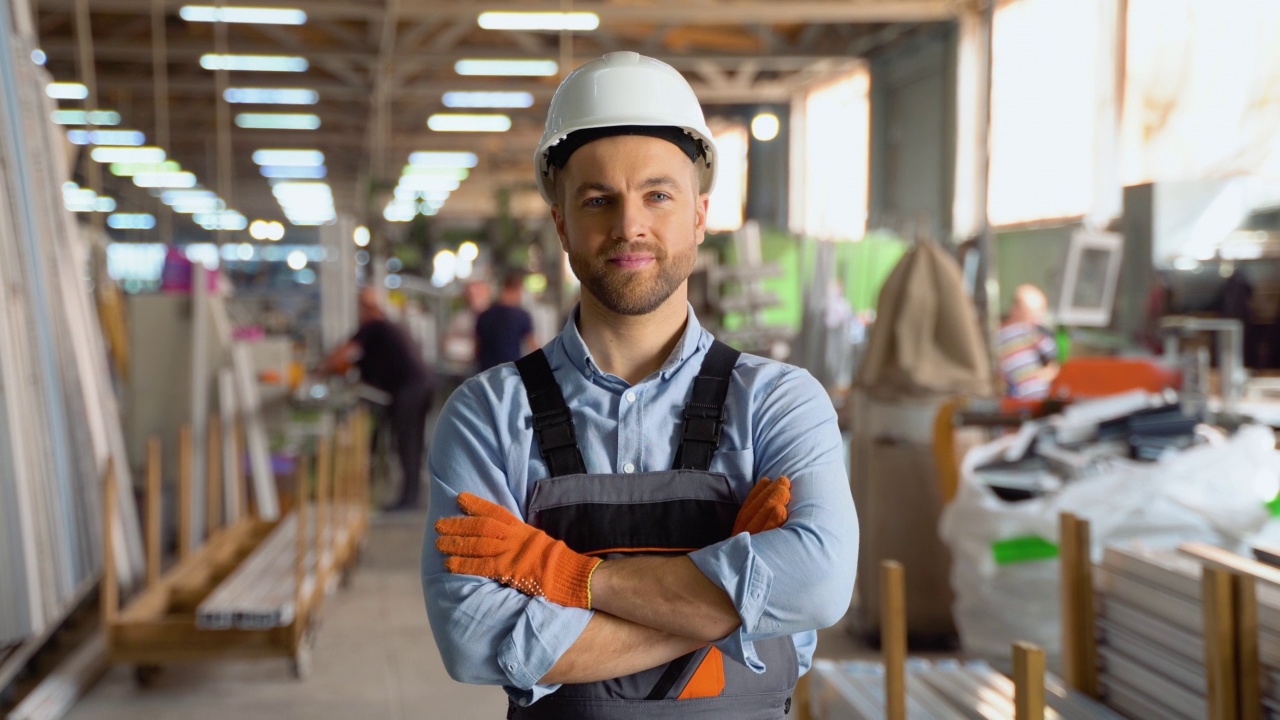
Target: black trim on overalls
[(552, 421), (704, 414), (704, 417)]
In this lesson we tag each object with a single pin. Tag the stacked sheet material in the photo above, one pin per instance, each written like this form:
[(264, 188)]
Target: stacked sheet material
[(936, 690), (59, 422), (1151, 634)]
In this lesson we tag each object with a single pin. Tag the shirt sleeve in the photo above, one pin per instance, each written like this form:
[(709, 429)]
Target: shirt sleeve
[(487, 633), (799, 577)]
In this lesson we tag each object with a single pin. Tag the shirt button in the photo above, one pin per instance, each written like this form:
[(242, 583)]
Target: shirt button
[(631, 396), (628, 468)]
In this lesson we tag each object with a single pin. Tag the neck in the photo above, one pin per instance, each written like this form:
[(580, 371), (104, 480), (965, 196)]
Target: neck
[(633, 347)]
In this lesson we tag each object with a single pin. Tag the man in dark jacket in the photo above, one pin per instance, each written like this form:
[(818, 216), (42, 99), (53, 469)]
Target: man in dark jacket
[(389, 360)]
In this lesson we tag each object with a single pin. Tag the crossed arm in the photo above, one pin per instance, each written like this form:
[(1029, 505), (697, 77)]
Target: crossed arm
[(649, 610)]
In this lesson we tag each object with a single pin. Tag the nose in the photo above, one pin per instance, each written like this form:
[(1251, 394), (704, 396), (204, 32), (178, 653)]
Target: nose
[(631, 220)]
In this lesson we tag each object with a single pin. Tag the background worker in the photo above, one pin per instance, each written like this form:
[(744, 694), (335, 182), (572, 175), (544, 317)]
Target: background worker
[(389, 360), (504, 332), (1025, 349), (599, 545)]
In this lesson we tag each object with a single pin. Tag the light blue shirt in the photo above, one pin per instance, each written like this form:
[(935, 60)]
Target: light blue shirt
[(788, 581)]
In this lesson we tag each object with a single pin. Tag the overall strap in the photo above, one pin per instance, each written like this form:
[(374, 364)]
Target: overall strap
[(704, 415), (552, 421)]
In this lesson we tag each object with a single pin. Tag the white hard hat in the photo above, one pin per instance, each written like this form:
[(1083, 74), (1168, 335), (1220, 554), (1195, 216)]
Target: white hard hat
[(623, 88)]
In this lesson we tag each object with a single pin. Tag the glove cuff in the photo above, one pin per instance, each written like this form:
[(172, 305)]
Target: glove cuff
[(570, 583)]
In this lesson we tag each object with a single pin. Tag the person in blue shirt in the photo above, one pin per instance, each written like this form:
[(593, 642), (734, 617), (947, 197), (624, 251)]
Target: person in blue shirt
[(504, 331), (635, 521)]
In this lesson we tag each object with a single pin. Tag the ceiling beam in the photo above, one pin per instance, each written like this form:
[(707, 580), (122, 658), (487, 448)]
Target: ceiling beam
[(658, 11)]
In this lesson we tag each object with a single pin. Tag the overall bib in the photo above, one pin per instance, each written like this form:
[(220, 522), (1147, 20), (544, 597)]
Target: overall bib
[(671, 512)]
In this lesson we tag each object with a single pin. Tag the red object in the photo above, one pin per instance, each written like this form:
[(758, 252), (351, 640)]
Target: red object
[(1091, 377)]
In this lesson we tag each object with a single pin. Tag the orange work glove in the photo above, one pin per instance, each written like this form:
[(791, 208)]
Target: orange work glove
[(766, 506), (493, 543)]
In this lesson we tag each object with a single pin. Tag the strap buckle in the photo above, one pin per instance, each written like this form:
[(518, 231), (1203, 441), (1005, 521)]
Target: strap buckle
[(703, 423), (554, 429)]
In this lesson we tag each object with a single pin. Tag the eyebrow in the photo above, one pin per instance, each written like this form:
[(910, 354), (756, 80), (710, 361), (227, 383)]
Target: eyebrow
[(659, 181)]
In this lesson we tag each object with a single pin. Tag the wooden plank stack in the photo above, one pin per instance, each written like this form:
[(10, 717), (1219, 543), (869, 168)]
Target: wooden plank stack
[(1151, 633), (59, 422)]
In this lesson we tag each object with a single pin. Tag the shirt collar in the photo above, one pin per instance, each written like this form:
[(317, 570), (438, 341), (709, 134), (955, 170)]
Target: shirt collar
[(694, 340)]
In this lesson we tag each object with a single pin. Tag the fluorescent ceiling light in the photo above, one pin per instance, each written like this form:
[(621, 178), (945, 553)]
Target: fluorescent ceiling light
[(272, 96), (260, 63), (131, 221), (480, 99), (278, 121), (431, 158), (66, 91), (450, 122), (423, 183), (175, 196), (165, 180), (526, 68), (120, 169), (259, 15), (222, 220), (455, 173), (81, 117), (288, 172), (106, 137), (294, 158), (539, 20), (128, 154)]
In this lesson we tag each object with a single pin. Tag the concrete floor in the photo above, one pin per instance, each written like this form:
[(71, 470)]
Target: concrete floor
[(373, 658)]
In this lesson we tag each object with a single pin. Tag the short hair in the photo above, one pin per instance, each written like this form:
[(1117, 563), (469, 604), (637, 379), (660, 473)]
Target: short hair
[(513, 280)]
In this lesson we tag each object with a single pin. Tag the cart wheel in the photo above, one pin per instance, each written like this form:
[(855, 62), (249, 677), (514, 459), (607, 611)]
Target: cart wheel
[(146, 675)]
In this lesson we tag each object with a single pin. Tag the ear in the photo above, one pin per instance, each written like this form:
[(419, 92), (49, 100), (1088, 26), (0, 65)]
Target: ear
[(557, 216), (700, 206)]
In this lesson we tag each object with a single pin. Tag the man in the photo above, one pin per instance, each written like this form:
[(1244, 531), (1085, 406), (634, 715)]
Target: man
[(1025, 350), (504, 332), (605, 564), (389, 360)]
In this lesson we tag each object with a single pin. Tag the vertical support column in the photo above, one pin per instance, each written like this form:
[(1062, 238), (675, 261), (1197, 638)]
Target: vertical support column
[(1218, 606), (184, 492), (153, 511), (300, 558), (324, 511), (237, 470), (213, 476), (1028, 682), (110, 594), (1079, 645), (1248, 669), (893, 639)]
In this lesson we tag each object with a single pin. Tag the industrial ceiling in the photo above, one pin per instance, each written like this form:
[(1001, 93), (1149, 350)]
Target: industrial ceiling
[(380, 68)]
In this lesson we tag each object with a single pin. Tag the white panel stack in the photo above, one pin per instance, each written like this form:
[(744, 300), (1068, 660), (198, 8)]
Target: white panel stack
[(1151, 634), (939, 690), (59, 423)]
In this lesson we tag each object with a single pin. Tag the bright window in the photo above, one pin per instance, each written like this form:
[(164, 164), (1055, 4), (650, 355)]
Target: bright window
[(730, 193), (1047, 93), (1202, 90), (831, 131)]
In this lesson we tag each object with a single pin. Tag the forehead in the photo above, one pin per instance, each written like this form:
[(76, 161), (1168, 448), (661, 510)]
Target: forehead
[(622, 156)]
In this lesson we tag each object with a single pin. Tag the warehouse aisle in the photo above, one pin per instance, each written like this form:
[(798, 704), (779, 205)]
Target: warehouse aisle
[(374, 658)]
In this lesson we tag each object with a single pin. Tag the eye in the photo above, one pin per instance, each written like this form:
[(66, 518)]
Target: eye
[(595, 202), (660, 196)]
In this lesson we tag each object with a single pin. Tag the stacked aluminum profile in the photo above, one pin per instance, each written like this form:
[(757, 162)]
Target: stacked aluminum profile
[(937, 690), (59, 423), (1151, 634)]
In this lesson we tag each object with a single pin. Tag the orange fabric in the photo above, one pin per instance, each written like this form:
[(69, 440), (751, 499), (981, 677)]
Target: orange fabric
[(708, 679), (493, 543), (766, 506), (1089, 377)]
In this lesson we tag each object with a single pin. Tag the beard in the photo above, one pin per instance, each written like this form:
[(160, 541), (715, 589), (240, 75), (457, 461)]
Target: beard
[(627, 292)]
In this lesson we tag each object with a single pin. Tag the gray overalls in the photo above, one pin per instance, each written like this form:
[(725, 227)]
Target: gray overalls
[(672, 512)]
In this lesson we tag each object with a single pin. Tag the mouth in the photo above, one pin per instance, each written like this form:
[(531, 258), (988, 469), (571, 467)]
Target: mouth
[(631, 261)]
